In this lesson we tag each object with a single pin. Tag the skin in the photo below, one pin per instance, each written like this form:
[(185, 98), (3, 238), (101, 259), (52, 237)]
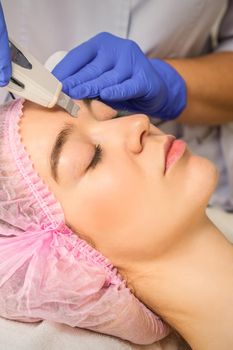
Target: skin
[(209, 88), (150, 224)]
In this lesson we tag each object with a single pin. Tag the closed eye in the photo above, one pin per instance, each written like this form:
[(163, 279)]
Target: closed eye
[(96, 158)]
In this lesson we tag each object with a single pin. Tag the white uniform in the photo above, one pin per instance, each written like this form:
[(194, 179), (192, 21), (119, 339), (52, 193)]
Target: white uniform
[(166, 28)]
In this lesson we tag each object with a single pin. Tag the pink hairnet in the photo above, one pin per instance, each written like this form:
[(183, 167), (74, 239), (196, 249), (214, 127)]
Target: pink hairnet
[(47, 271)]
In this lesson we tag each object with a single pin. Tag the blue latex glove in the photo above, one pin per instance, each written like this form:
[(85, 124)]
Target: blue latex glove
[(118, 72), (5, 56)]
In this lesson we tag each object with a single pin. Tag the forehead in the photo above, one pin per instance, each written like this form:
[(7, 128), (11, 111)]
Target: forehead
[(89, 109), (35, 115)]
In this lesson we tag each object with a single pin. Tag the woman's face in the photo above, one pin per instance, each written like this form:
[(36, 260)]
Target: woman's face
[(108, 174)]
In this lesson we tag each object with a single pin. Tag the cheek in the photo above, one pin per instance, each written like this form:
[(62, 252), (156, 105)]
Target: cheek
[(200, 177), (120, 209), (106, 199), (190, 187)]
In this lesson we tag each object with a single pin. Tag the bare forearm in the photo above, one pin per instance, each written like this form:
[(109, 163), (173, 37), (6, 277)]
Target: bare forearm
[(209, 81)]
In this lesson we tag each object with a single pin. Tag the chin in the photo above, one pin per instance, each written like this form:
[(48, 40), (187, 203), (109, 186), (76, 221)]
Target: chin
[(205, 176)]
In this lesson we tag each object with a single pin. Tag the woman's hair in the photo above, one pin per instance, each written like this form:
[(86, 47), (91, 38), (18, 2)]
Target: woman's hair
[(47, 271)]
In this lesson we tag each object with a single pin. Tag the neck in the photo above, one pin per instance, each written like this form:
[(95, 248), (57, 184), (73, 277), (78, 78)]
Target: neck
[(191, 287)]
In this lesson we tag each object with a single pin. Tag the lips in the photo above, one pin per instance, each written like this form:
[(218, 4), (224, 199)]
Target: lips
[(168, 144), (174, 149)]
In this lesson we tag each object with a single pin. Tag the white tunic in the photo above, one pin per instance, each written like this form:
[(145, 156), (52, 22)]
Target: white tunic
[(166, 28)]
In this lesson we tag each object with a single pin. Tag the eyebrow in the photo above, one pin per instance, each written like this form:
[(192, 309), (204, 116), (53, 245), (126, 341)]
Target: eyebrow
[(60, 141)]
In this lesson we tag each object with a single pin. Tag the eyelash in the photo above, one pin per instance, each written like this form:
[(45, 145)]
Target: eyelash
[(96, 158)]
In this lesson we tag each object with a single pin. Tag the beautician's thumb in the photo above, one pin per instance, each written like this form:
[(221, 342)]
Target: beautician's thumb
[(5, 56)]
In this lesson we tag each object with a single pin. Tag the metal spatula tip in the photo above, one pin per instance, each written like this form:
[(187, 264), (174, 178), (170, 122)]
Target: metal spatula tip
[(68, 104)]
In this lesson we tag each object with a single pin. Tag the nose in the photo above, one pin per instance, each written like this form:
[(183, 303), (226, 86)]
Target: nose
[(137, 129)]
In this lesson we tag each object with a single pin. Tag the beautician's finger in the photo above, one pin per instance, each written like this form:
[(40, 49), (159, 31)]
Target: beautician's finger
[(5, 56), (115, 76), (98, 66), (129, 89), (75, 60), (93, 88)]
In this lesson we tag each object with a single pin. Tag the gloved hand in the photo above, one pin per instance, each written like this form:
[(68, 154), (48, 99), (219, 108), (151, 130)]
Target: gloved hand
[(117, 71), (5, 57)]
